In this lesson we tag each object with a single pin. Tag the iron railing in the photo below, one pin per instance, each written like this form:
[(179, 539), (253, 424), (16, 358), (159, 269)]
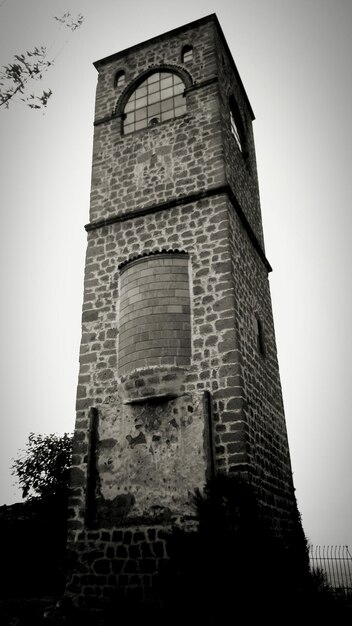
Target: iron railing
[(336, 563)]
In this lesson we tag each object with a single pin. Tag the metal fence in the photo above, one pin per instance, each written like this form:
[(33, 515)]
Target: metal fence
[(336, 563)]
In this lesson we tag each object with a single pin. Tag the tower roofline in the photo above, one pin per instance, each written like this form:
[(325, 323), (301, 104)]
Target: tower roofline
[(175, 31)]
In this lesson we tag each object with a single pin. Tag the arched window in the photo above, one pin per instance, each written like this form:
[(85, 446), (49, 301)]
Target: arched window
[(156, 99), (187, 54), (236, 124), (120, 78)]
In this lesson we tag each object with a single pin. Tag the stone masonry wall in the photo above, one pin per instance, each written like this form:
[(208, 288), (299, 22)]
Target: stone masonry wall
[(107, 560), (175, 158), (156, 191), (240, 167), (248, 422), (263, 410), (160, 50), (201, 229)]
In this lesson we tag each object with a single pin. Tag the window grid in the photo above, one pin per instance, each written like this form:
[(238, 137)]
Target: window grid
[(157, 99)]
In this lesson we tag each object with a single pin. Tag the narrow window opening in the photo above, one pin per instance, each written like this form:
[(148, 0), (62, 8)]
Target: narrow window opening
[(260, 337), (187, 54), (120, 78), (236, 124), (235, 131)]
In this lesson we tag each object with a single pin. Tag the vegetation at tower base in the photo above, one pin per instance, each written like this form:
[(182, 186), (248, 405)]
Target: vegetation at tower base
[(43, 468), (232, 567), (234, 560), (33, 533)]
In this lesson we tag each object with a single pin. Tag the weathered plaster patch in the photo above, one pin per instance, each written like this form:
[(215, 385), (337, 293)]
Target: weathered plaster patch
[(158, 456), (155, 164)]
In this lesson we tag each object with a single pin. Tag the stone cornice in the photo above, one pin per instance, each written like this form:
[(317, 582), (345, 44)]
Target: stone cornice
[(181, 201), (203, 83)]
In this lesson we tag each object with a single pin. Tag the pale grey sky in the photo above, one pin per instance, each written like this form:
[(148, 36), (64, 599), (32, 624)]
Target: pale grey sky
[(295, 61)]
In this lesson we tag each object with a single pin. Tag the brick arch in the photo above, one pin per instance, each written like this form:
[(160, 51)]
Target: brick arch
[(173, 251), (154, 312), (130, 88)]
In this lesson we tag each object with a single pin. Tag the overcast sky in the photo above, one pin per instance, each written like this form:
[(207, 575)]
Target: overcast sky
[(295, 59)]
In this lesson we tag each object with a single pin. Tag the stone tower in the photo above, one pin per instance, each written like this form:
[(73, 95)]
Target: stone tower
[(179, 376)]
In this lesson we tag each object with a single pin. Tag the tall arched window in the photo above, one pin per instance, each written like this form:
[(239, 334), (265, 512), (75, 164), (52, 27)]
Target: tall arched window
[(156, 99)]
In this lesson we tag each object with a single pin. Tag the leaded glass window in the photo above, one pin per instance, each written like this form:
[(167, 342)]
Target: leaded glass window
[(157, 99)]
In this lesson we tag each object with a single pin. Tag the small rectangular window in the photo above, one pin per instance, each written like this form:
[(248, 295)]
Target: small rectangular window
[(168, 104), (180, 110), (234, 131), (167, 115), (179, 88), (153, 87), (167, 93), (141, 102), (130, 106), (153, 97), (187, 54), (141, 114), (141, 124), (129, 118), (179, 100), (166, 82), (154, 109), (154, 78), (141, 91)]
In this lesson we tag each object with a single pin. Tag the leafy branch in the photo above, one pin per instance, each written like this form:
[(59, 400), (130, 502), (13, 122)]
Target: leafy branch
[(70, 22), (14, 77), (29, 67), (43, 468)]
